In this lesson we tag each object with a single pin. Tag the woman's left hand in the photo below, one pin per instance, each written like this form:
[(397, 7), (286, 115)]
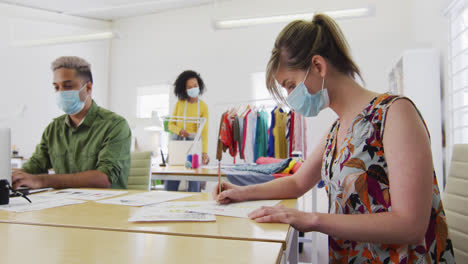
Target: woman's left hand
[(301, 221), (205, 158)]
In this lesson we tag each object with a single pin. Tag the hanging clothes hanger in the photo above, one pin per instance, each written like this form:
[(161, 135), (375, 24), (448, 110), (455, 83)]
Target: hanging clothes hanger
[(236, 110), (230, 112), (247, 108)]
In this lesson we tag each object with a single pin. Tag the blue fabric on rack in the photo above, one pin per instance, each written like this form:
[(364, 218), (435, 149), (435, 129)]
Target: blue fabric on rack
[(263, 168), (243, 178), (271, 139)]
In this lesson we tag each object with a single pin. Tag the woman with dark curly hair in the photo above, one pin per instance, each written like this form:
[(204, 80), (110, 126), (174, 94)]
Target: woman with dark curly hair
[(188, 87)]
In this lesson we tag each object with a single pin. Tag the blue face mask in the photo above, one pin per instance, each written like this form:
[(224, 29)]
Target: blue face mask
[(69, 101), (193, 92), (307, 104)]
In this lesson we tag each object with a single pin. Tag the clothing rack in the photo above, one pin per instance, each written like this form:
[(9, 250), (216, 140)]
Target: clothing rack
[(313, 192), (268, 102), (244, 101)]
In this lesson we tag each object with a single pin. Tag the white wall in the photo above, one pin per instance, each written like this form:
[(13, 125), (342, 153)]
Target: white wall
[(26, 78), (430, 30), (156, 48)]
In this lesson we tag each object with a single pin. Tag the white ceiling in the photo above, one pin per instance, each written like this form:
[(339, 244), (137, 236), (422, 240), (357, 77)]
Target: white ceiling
[(107, 9)]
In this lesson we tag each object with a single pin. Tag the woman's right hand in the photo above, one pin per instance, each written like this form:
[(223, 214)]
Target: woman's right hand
[(230, 193), (183, 133)]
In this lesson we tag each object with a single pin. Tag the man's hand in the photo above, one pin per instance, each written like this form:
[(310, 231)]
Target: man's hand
[(22, 178)]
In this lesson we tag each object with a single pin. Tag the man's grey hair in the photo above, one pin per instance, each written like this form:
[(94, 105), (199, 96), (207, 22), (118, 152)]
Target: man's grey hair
[(82, 67)]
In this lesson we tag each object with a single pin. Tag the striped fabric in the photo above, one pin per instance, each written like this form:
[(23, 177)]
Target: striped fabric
[(456, 202), (140, 171)]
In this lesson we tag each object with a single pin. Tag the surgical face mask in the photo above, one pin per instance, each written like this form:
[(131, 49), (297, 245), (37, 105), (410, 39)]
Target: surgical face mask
[(307, 104), (69, 101), (193, 92)]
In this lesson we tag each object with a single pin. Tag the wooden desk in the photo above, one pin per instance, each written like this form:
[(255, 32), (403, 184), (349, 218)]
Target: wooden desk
[(92, 215), (50, 245), (182, 173)]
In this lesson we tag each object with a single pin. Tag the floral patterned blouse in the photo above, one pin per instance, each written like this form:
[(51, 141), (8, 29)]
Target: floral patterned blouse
[(357, 183)]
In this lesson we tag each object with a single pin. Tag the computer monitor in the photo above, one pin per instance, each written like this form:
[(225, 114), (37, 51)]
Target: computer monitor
[(5, 158)]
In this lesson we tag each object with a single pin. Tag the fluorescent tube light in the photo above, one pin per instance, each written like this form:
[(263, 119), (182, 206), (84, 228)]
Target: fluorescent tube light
[(337, 14), (65, 39)]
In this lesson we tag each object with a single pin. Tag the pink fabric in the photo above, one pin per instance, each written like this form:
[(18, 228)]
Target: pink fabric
[(279, 175), (300, 132), (268, 160), (245, 133)]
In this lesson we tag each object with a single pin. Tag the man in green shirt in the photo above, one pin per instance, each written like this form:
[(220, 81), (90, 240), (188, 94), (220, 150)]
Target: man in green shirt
[(87, 147)]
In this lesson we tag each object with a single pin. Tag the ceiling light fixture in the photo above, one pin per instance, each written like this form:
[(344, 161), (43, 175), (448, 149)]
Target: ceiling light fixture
[(65, 39), (336, 14)]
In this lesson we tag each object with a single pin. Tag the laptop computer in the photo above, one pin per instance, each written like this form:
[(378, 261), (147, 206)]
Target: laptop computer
[(5, 150)]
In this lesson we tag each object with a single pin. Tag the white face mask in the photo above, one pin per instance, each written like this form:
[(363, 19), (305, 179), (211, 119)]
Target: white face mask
[(193, 92)]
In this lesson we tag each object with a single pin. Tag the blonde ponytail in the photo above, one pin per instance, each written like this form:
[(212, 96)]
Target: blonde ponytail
[(300, 40)]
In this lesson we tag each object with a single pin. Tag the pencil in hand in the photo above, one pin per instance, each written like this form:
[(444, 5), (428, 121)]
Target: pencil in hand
[(219, 177)]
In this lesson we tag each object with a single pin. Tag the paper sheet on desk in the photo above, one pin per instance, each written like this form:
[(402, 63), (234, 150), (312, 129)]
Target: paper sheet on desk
[(156, 213), (145, 198), (241, 209), (215, 167), (81, 194), (20, 205)]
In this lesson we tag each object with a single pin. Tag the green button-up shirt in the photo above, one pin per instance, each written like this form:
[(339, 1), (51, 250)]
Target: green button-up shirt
[(101, 142)]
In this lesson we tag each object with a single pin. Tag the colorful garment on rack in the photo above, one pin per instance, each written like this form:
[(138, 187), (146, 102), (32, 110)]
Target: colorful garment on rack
[(300, 135), (240, 122), (251, 120), (226, 135), (236, 132), (357, 182), (261, 136), (279, 134), (244, 134), (291, 132), (220, 148), (288, 135), (271, 139)]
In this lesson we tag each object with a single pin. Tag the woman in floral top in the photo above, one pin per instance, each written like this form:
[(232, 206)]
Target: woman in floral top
[(376, 161)]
